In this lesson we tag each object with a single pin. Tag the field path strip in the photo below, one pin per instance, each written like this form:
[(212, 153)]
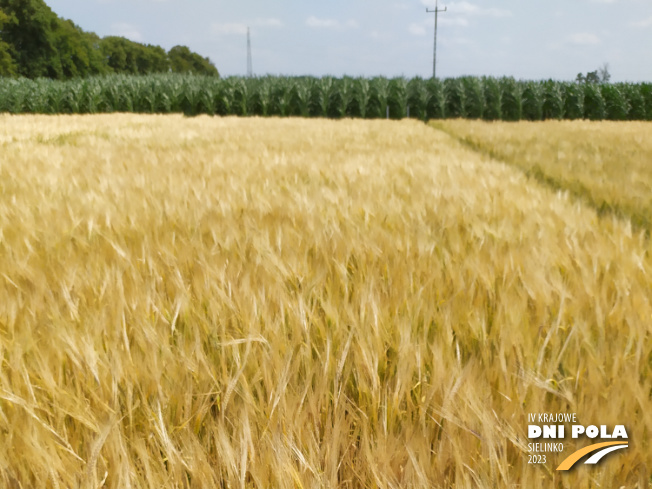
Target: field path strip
[(580, 193)]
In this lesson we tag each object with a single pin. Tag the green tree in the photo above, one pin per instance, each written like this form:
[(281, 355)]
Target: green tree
[(125, 56), (77, 52), (72, 55), (601, 75), (7, 63), (592, 77), (118, 55), (604, 74), (182, 60), (152, 59), (97, 62), (29, 32), (35, 42)]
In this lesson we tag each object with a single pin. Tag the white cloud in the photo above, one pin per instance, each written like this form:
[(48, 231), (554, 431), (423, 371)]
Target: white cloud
[(240, 28), (376, 35), (578, 39), (473, 9), (584, 39), (318, 23), (126, 30), (463, 41), (468, 8), (417, 29), (643, 23), (270, 22), (229, 28), (313, 21), (426, 27), (459, 21)]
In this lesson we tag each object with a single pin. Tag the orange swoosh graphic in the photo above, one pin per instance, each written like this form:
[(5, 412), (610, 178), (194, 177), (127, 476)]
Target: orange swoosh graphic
[(574, 457)]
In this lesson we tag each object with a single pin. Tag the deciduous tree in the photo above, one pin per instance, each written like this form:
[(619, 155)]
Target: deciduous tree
[(7, 63), (182, 60)]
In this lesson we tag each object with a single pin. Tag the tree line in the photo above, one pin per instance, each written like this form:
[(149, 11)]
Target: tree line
[(37, 43)]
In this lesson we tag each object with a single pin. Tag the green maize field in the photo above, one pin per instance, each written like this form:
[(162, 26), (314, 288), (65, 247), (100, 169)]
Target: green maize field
[(396, 98)]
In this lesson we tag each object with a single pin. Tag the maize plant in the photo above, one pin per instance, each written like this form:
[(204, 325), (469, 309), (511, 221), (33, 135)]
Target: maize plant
[(533, 97), (356, 102), (335, 102), (594, 106), (475, 99), (377, 101), (455, 105), (646, 93), (397, 98), (471, 97), (635, 101), (493, 99), (553, 100), (512, 99), (417, 98), (617, 106), (573, 101)]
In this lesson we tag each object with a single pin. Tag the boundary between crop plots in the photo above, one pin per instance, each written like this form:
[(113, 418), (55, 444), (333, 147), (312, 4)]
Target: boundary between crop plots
[(576, 190)]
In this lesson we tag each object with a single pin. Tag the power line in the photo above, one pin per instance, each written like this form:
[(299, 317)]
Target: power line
[(250, 70), (434, 56)]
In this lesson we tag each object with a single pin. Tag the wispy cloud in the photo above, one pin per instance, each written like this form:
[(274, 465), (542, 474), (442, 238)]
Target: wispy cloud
[(417, 29), (468, 8), (462, 41), (240, 28), (378, 35), (473, 9), (643, 23), (229, 28), (584, 39), (458, 21), (318, 23), (270, 22), (425, 27), (126, 30)]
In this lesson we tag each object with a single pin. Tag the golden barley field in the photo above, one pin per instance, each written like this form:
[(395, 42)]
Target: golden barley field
[(606, 164), (286, 303)]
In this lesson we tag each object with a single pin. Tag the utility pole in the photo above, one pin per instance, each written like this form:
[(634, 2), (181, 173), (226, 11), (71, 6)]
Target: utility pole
[(434, 56), (250, 70)]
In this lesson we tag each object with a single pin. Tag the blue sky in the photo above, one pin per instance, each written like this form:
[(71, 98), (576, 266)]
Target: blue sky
[(527, 39)]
